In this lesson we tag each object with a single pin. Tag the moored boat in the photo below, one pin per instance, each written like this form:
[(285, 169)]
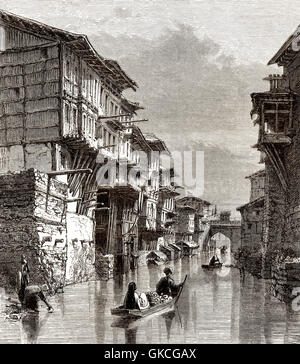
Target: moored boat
[(123, 312)]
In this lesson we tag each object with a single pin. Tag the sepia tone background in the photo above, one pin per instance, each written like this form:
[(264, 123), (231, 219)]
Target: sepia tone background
[(196, 62)]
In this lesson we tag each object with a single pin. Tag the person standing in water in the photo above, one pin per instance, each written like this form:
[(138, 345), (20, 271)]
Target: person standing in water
[(29, 295)]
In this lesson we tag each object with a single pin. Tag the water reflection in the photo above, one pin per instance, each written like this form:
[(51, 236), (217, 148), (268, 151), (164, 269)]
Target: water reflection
[(31, 325), (215, 307)]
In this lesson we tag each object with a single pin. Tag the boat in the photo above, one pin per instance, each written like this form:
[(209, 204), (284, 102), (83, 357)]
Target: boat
[(211, 267), (136, 313)]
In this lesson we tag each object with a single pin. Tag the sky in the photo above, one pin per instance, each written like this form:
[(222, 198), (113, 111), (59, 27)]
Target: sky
[(196, 63)]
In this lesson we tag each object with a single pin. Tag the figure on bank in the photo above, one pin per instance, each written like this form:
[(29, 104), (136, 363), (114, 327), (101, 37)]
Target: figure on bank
[(29, 295), (166, 286)]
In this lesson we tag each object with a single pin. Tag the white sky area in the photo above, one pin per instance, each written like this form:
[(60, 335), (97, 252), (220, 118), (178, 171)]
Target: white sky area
[(250, 30)]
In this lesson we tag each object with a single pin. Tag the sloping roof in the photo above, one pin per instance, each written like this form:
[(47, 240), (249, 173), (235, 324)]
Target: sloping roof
[(189, 244), (257, 202), (156, 143), (175, 247), (187, 200), (185, 207), (261, 172), (139, 138), (286, 52), (156, 254), (79, 42)]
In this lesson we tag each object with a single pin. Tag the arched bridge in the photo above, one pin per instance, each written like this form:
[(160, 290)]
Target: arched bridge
[(230, 229)]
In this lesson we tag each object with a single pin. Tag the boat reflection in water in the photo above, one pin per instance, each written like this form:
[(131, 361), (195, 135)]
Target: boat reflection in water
[(131, 325)]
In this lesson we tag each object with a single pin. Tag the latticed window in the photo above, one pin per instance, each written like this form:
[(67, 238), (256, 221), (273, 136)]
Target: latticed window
[(4, 160), (2, 39)]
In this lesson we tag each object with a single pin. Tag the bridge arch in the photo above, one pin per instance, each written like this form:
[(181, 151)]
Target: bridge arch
[(231, 229)]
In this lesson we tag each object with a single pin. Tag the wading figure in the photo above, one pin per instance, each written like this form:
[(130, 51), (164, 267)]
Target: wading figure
[(23, 278), (166, 286), (29, 296)]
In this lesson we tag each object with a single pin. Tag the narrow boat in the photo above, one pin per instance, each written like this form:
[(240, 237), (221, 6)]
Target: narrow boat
[(123, 312), (216, 266)]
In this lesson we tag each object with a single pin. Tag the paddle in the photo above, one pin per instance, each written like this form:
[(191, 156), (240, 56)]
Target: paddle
[(180, 289)]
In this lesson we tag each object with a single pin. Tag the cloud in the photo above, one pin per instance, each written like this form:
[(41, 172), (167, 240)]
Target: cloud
[(122, 12), (196, 97)]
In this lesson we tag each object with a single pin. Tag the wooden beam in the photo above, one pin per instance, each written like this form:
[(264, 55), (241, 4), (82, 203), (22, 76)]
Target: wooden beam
[(108, 146), (73, 200), (134, 121), (113, 116), (68, 172)]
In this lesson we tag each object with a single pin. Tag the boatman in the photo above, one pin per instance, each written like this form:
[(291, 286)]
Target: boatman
[(166, 285), (214, 260)]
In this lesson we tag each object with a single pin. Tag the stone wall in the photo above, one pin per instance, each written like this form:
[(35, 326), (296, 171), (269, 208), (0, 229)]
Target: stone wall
[(252, 224), (274, 217), (40, 228), (285, 278)]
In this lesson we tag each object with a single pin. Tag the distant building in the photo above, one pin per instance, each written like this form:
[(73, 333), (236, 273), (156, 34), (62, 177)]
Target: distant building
[(202, 212), (252, 213)]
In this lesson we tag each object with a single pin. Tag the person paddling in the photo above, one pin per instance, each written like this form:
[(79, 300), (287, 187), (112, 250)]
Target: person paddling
[(214, 260), (166, 285)]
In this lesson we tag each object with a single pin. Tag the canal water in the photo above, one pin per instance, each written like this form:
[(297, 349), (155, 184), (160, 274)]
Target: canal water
[(215, 307)]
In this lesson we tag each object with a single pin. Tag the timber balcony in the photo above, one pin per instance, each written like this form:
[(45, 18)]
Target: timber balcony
[(274, 110), (147, 223), (166, 224), (168, 191), (81, 136)]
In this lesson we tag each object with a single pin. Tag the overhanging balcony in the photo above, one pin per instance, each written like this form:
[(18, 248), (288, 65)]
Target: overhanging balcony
[(274, 111), (274, 115)]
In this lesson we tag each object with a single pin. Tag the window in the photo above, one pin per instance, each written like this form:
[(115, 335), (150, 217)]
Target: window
[(84, 124), (75, 75), (95, 90), (106, 104), (90, 127), (101, 95), (44, 53), (67, 118), (114, 142), (68, 69), (67, 113), (91, 87), (83, 79), (74, 118), (2, 39)]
